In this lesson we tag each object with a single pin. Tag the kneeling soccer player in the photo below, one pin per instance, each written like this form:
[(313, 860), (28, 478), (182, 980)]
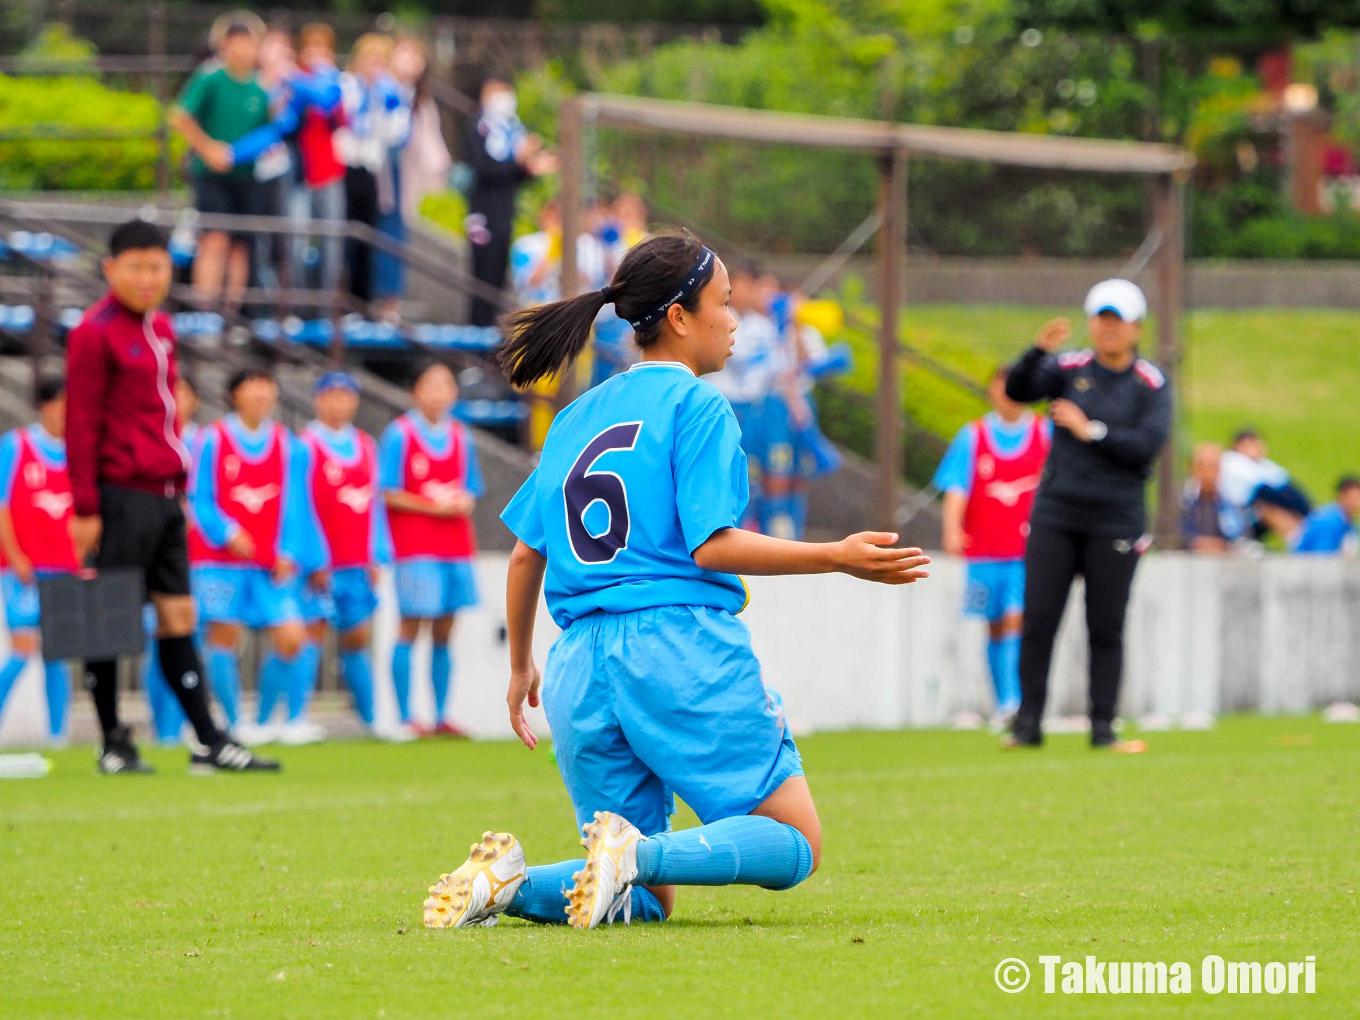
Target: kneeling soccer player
[(652, 689)]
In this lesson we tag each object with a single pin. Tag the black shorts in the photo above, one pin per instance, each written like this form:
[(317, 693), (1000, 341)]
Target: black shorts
[(222, 194), (147, 530)]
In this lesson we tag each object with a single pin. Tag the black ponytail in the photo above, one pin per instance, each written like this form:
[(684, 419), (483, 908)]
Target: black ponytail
[(540, 340)]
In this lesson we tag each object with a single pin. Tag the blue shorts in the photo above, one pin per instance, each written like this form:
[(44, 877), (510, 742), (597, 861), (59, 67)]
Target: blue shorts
[(349, 602), (244, 595), (664, 701), (996, 588), (427, 589), (21, 602)]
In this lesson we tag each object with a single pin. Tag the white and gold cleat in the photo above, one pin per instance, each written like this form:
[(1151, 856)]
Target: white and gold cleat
[(604, 886), (481, 888)]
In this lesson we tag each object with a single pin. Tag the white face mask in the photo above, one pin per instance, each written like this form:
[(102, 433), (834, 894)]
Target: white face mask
[(501, 105)]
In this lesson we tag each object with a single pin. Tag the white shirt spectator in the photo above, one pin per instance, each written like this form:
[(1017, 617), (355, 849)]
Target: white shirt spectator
[(1239, 476), (754, 362)]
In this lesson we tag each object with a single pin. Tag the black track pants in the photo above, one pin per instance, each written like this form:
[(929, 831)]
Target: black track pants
[(1053, 559)]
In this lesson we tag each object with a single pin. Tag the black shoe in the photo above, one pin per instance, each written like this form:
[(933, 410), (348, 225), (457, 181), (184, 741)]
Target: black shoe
[(120, 754), (228, 756), (1102, 735), (1024, 734)]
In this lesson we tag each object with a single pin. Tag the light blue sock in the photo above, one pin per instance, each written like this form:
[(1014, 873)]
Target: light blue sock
[(359, 678), (1003, 658), (441, 678), (301, 679), (58, 696), (273, 684), (543, 896), (401, 678), (8, 675), (746, 850), (225, 676), (166, 714)]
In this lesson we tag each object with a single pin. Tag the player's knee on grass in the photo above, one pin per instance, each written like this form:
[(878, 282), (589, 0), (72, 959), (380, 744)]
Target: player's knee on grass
[(665, 895), (176, 615), (813, 835)]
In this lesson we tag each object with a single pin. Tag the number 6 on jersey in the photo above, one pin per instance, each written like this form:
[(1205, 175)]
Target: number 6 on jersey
[(584, 487)]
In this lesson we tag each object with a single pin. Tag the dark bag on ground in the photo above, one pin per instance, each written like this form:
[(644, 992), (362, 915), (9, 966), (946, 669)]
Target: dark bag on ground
[(92, 618)]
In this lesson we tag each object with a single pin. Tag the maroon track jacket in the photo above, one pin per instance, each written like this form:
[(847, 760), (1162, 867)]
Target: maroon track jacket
[(121, 426)]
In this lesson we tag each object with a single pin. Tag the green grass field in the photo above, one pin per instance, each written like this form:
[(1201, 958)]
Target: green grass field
[(299, 895), (1294, 374)]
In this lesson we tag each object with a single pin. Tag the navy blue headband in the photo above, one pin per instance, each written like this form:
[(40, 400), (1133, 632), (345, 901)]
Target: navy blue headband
[(694, 281)]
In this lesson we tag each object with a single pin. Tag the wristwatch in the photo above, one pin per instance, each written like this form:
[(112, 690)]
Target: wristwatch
[(1096, 430)]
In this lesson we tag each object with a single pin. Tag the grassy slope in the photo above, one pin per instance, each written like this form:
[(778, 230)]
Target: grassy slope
[(1295, 375), (298, 896)]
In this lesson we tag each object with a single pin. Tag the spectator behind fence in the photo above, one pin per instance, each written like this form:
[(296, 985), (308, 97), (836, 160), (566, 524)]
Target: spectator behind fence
[(1210, 522), (1251, 480), (295, 147), (222, 103), (274, 165), (536, 260), (1330, 529), (320, 193), (407, 69), (502, 155), (377, 119), (747, 377), (425, 162)]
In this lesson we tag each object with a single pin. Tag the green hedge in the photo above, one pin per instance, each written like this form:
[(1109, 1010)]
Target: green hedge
[(75, 105)]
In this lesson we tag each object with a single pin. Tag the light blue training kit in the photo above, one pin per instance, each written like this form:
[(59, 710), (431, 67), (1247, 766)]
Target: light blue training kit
[(652, 689)]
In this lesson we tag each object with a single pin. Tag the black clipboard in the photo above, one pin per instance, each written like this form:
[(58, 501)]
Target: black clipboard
[(92, 617)]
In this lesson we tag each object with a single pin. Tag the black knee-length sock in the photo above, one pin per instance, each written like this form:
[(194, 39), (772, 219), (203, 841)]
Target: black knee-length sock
[(184, 673)]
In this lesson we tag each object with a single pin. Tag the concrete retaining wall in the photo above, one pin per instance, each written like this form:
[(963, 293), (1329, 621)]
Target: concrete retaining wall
[(1205, 636)]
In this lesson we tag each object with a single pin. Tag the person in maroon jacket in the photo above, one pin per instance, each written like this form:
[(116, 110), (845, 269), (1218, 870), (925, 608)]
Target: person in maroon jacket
[(128, 467)]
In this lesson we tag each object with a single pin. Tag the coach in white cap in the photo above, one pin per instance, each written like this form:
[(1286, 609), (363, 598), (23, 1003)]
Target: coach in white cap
[(1112, 415)]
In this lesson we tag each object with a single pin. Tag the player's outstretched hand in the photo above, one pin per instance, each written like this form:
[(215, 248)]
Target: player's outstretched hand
[(871, 556), (524, 685), (1053, 334)]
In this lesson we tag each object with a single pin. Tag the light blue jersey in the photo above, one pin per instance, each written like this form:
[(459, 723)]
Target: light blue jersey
[(635, 475)]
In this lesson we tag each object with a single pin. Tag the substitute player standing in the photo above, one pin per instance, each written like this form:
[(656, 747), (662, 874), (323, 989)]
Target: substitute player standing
[(35, 539), (652, 689), (128, 466), (341, 478), (431, 483), (989, 476), (250, 543)]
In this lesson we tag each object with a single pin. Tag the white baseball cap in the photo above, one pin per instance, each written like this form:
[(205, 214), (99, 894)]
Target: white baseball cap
[(1123, 297)]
